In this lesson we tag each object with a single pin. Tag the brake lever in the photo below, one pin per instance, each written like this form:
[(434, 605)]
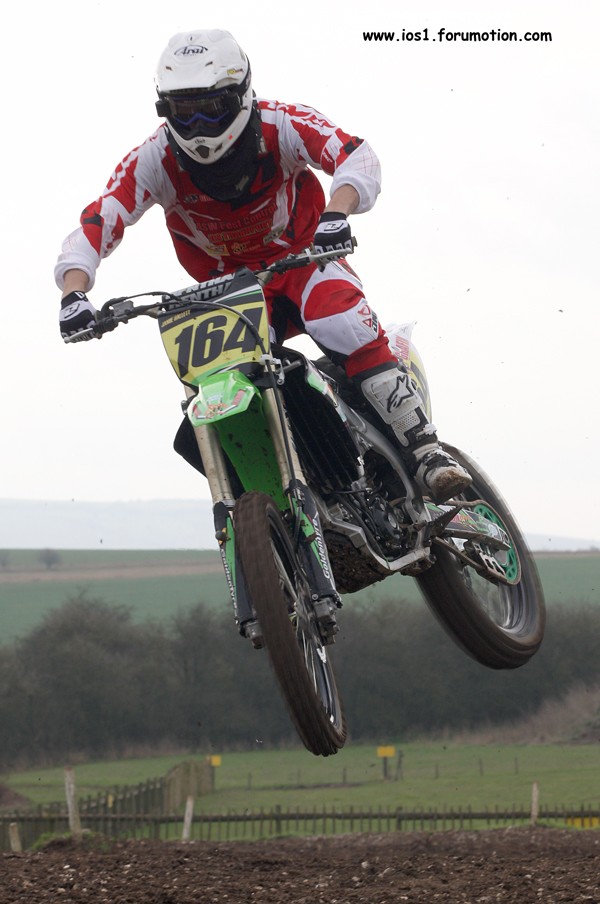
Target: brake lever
[(92, 332)]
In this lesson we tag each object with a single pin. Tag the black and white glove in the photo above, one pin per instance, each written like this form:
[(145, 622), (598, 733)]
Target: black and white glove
[(333, 233), (76, 313)]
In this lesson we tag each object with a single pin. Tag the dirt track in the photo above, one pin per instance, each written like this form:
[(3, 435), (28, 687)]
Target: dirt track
[(514, 865)]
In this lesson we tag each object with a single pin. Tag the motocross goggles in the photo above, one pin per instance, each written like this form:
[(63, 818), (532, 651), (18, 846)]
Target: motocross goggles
[(196, 112)]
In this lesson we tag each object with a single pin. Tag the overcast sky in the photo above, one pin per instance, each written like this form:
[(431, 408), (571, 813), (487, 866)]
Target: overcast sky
[(486, 232)]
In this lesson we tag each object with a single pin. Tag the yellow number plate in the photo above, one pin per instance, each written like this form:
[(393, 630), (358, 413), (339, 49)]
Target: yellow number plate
[(201, 343)]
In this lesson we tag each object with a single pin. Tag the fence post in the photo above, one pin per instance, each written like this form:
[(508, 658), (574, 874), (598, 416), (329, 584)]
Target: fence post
[(187, 819), (72, 808), (15, 838), (535, 803)]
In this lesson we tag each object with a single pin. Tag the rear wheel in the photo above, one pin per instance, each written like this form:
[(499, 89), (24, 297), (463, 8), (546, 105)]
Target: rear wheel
[(499, 622), (281, 599)]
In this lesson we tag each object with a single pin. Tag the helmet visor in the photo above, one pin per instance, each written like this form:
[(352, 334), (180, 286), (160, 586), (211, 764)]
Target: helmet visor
[(207, 113)]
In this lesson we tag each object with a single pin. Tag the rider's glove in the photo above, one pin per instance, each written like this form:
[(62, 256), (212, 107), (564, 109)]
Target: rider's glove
[(333, 233), (76, 313)]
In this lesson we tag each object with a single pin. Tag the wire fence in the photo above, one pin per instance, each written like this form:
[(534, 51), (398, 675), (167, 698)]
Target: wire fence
[(163, 809), (33, 828)]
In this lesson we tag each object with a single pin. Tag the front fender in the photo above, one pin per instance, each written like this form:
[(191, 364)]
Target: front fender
[(246, 442), (220, 396)]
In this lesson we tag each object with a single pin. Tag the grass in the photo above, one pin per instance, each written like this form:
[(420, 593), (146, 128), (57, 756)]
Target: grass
[(23, 605), (433, 775), (158, 598)]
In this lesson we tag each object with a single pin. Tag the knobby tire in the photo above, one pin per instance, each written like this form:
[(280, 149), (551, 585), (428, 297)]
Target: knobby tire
[(508, 636), (281, 600)]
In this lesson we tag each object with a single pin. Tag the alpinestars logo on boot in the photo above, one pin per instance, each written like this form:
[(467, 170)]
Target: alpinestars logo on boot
[(400, 392)]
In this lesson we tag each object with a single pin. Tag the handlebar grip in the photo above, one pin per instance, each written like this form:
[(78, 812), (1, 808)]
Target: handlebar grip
[(93, 332)]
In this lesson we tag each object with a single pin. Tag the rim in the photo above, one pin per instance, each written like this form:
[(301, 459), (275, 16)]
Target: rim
[(502, 603), (512, 565)]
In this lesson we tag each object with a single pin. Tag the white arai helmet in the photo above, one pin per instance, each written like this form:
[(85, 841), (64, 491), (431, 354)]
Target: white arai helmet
[(204, 88)]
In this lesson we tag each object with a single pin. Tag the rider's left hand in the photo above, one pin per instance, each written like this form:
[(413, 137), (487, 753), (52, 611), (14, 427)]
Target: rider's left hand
[(333, 233)]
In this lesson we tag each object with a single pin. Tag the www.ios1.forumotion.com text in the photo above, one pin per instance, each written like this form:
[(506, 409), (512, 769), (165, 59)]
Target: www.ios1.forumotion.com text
[(447, 35)]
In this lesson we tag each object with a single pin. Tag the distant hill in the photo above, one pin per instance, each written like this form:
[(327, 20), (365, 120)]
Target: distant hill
[(548, 543), (153, 524)]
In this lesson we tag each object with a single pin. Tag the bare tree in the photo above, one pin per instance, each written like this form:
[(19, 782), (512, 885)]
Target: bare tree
[(49, 557)]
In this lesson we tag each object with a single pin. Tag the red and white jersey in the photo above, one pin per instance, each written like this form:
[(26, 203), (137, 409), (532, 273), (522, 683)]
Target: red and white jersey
[(278, 216)]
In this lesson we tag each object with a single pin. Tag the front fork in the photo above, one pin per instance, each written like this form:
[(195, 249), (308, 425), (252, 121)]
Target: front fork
[(223, 499), (310, 545), (304, 523)]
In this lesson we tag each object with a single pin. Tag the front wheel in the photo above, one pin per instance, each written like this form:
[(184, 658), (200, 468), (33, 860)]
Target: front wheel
[(500, 623), (281, 599)]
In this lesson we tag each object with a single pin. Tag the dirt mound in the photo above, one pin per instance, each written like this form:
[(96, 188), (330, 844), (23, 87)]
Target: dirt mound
[(507, 866)]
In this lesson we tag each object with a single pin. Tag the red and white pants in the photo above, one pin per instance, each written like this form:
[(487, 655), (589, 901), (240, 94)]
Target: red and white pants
[(330, 306)]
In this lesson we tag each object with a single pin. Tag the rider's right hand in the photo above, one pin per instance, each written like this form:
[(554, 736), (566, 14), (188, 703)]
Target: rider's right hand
[(76, 313)]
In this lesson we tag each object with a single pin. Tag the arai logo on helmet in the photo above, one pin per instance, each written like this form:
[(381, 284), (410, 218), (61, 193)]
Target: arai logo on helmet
[(191, 50)]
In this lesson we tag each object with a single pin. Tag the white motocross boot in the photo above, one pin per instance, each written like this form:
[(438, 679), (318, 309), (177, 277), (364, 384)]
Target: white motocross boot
[(393, 395)]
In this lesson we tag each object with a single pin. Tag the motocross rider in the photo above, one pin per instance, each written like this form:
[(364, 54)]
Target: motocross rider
[(232, 173)]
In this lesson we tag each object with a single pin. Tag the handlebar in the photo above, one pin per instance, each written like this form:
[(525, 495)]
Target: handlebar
[(122, 310)]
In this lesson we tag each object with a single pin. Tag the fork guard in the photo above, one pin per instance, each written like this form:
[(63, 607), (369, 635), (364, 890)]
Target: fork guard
[(220, 396)]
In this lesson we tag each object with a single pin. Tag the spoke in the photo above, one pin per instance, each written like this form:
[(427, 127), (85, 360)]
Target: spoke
[(282, 601), (495, 598), (313, 652)]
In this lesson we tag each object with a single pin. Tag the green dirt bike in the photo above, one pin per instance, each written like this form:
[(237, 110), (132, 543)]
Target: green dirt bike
[(312, 499)]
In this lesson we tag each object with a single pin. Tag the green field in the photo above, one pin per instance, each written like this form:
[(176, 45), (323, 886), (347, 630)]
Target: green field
[(433, 775), (566, 578), (23, 607), (103, 574)]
